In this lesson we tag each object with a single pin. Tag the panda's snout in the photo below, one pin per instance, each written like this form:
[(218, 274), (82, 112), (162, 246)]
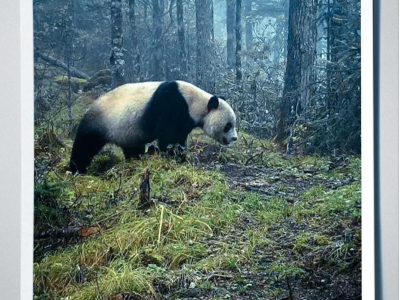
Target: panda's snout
[(230, 140)]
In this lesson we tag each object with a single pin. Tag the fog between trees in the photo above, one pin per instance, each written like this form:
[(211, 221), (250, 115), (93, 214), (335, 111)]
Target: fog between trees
[(291, 69)]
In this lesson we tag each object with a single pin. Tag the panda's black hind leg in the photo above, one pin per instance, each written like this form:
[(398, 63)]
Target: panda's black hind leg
[(133, 152), (88, 142), (83, 151)]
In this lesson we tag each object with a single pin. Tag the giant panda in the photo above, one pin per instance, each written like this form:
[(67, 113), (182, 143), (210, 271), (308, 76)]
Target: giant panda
[(138, 113)]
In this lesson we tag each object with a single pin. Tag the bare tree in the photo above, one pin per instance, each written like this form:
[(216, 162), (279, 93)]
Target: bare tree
[(299, 76), (181, 39), (230, 33), (238, 30), (164, 50), (157, 53), (337, 24), (248, 24), (205, 45), (117, 57), (134, 34), (69, 45)]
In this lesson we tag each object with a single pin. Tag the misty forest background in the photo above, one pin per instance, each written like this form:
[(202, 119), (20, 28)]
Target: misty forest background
[(291, 70), (277, 215)]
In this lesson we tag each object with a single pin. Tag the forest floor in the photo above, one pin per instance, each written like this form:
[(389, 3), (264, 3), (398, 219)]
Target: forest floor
[(239, 222)]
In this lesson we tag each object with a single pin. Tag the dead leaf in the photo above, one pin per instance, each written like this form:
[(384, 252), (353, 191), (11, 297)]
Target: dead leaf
[(88, 231)]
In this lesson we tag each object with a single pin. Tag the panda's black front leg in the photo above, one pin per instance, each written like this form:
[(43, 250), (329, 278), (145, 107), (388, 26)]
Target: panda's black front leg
[(183, 142), (163, 144), (168, 137), (133, 152)]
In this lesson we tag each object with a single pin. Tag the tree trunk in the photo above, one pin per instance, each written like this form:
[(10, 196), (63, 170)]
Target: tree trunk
[(117, 57), (230, 33), (248, 24), (181, 39), (135, 46), (205, 45), (286, 31), (299, 76), (336, 47), (238, 30), (158, 69), (165, 60), (70, 60)]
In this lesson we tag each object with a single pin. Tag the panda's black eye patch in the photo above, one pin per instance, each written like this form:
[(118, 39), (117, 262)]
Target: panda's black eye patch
[(228, 127)]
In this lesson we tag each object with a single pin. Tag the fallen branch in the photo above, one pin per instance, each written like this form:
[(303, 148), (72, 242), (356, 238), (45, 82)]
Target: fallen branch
[(58, 63), (68, 232), (253, 157), (144, 190), (214, 275)]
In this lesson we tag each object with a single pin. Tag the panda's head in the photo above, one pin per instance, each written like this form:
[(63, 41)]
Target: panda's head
[(220, 121)]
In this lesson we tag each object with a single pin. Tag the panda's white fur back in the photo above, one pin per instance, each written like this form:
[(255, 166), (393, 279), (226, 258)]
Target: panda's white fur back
[(122, 108)]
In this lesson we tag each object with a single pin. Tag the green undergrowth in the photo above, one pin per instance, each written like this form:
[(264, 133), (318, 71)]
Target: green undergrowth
[(202, 225)]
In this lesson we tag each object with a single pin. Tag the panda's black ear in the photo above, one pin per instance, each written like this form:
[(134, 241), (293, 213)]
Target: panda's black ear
[(213, 103)]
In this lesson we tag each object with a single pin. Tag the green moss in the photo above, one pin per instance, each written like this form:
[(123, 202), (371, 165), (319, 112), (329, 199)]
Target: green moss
[(343, 200), (116, 280), (103, 162), (226, 261), (63, 79), (258, 238), (310, 240), (275, 211), (280, 269)]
